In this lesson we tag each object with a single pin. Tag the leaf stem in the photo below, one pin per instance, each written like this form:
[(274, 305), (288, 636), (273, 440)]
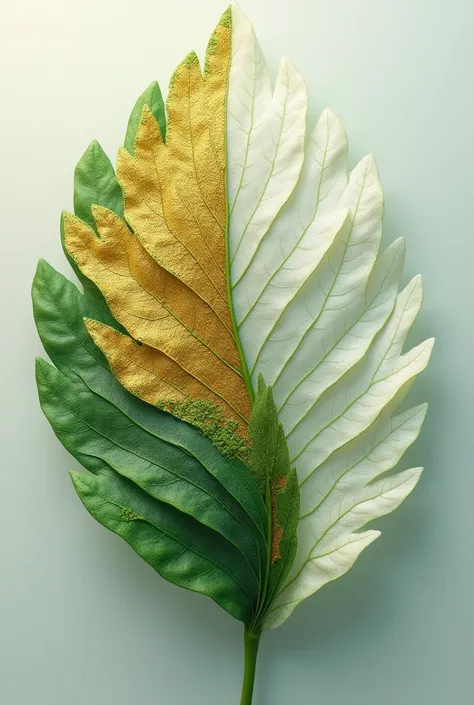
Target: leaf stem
[(251, 643)]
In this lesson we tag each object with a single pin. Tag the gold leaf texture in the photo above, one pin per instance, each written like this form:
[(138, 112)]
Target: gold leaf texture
[(165, 282)]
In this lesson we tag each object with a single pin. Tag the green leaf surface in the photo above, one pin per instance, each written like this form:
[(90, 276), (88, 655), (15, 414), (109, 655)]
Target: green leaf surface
[(88, 425), (152, 98), (180, 549), (95, 183), (93, 431), (99, 422), (270, 463), (287, 506), (59, 311), (269, 457)]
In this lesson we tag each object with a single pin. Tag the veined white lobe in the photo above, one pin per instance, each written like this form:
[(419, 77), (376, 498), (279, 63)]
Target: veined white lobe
[(318, 312), (265, 146)]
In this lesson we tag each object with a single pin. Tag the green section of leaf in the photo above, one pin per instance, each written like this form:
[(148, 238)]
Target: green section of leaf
[(59, 310), (270, 463), (99, 422), (95, 431), (88, 425), (210, 420), (269, 458), (180, 549), (95, 183), (285, 513), (154, 100)]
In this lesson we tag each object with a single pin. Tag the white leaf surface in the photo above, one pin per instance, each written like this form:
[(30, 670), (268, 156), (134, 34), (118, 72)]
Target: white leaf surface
[(318, 313), (265, 143), (340, 499)]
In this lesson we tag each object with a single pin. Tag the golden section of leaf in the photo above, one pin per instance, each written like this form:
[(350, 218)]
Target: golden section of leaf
[(150, 374), (175, 196), (156, 308)]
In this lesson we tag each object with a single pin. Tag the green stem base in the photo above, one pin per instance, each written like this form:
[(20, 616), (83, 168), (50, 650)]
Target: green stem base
[(251, 642)]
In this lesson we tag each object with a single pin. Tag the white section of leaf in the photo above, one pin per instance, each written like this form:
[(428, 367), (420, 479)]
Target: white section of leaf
[(326, 300), (342, 498), (319, 314), (265, 143), (349, 406), (334, 349), (297, 239)]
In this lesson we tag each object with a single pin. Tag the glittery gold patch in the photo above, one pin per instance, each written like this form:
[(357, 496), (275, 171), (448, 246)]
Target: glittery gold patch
[(174, 193), (165, 282), (150, 374)]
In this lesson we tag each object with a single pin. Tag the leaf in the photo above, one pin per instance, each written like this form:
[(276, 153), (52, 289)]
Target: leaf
[(152, 98), (166, 283), (317, 309), (95, 183), (244, 252), (270, 463)]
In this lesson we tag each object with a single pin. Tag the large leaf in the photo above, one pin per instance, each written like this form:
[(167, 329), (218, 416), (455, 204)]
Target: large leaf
[(166, 283), (317, 309), (245, 251)]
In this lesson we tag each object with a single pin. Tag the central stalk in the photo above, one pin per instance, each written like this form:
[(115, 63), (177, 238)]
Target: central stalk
[(251, 642)]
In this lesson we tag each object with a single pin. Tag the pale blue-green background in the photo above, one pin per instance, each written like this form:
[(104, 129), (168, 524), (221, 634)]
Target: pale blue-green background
[(83, 621)]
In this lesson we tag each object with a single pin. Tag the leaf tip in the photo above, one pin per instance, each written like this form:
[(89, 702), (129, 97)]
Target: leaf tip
[(78, 480), (41, 368), (226, 17), (42, 266)]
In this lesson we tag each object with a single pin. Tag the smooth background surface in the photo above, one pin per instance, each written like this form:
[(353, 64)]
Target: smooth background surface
[(82, 620)]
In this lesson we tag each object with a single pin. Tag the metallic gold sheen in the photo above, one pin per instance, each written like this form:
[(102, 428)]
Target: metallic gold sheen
[(159, 311), (175, 197), (165, 282), (149, 373)]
